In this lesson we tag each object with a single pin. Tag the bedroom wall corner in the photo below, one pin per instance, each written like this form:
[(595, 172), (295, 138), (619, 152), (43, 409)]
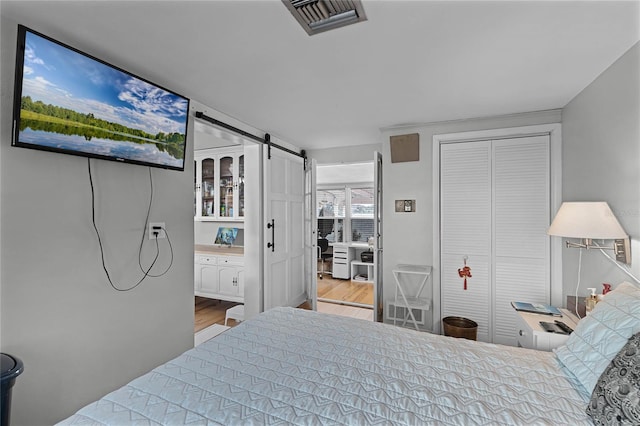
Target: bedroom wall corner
[(601, 162), (77, 337)]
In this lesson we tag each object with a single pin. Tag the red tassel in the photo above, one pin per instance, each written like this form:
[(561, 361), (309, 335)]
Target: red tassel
[(465, 273)]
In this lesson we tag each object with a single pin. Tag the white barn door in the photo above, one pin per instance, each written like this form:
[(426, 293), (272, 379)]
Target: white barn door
[(495, 207), (284, 280)]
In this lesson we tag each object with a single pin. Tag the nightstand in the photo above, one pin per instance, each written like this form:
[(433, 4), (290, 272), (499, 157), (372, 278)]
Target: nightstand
[(531, 335)]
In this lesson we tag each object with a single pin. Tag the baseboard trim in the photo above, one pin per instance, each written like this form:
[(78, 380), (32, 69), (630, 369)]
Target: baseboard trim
[(208, 333)]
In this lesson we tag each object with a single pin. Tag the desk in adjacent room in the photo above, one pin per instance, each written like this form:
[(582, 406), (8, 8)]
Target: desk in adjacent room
[(347, 262)]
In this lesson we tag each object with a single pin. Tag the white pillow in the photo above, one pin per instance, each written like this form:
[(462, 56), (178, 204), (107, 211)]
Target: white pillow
[(599, 337)]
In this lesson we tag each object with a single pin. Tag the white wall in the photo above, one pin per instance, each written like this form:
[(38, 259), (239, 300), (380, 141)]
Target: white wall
[(408, 237), (601, 162), (77, 337), (347, 154)]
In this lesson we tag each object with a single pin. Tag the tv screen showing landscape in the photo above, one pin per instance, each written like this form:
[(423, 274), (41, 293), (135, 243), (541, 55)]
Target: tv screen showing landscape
[(69, 102)]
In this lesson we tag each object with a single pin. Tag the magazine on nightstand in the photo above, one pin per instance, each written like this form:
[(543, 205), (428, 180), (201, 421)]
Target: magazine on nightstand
[(536, 308)]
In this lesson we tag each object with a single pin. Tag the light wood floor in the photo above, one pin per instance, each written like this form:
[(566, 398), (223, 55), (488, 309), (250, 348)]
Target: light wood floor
[(345, 290), (212, 311), (342, 310)]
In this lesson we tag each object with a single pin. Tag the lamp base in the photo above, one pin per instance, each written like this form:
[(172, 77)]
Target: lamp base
[(621, 248), (571, 306)]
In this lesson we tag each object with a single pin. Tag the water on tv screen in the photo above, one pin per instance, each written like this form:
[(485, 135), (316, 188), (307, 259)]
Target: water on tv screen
[(67, 101)]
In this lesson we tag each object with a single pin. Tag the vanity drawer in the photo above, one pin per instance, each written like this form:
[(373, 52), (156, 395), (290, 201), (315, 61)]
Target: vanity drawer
[(203, 259), (230, 260)]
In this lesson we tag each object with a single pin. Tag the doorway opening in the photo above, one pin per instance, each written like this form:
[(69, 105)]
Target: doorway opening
[(248, 263), (345, 214), (220, 183)]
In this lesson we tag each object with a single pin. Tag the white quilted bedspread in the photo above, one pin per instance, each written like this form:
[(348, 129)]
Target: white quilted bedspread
[(289, 366)]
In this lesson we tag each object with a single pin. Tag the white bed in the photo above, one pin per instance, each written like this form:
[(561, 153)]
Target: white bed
[(290, 366)]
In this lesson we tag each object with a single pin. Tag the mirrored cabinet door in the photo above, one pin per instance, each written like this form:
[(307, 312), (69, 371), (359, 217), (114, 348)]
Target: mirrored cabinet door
[(208, 187), (240, 186), (226, 186)]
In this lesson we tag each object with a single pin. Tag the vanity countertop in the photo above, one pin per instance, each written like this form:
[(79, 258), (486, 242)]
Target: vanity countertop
[(219, 250)]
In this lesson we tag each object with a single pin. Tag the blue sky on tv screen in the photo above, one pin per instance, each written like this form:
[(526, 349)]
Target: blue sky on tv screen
[(59, 76)]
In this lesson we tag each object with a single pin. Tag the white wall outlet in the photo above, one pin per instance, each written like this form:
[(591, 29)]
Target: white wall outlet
[(153, 228)]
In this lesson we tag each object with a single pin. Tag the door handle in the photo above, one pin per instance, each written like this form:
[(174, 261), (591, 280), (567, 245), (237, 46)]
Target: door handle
[(272, 244)]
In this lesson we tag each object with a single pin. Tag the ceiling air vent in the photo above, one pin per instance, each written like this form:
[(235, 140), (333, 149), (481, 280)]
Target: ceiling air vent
[(317, 16)]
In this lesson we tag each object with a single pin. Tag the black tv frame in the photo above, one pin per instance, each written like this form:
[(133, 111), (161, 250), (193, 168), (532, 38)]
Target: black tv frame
[(17, 101)]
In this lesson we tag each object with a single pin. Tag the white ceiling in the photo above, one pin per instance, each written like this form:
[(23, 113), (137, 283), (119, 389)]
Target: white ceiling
[(411, 62)]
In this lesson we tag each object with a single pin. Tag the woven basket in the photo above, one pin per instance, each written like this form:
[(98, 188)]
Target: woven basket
[(460, 327)]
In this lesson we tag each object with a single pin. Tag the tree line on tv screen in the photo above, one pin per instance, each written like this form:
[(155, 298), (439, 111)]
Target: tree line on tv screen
[(70, 122)]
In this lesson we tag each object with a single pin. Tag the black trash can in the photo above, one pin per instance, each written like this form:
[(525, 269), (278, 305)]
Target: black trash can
[(10, 367), (460, 327)]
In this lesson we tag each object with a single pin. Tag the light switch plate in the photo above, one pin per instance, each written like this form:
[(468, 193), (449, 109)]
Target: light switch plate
[(405, 206)]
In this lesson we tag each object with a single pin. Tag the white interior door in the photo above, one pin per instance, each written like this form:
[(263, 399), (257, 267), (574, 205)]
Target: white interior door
[(311, 235), (378, 300), (284, 277)]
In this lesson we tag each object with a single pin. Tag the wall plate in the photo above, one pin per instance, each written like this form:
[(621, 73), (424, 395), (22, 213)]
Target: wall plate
[(405, 206), (622, 249), (161, 233)]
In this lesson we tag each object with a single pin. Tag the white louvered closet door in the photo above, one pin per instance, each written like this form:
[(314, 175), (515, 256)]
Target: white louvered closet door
[(521, 256), (465, 228), (495, 210)]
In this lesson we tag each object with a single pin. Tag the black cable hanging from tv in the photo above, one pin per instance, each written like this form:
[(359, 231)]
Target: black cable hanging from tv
[(266, 140)]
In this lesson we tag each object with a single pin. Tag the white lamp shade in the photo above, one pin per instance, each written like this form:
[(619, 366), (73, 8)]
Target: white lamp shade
[(593, 220)]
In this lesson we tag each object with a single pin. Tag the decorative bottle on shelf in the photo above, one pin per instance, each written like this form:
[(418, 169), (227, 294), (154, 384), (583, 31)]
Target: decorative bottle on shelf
[(590, 301)]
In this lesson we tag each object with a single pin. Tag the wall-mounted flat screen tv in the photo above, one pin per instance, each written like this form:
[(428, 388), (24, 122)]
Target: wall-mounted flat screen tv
[(70, 102)]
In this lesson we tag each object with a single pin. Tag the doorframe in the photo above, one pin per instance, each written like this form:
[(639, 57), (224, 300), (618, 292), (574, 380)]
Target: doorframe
[(378, 246), (554, 130), (377, 287), (253, 252), (311, 234)]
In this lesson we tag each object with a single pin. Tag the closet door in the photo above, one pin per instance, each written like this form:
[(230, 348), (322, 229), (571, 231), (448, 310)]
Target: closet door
[(521, 216), (494, 214), (465, 231)]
